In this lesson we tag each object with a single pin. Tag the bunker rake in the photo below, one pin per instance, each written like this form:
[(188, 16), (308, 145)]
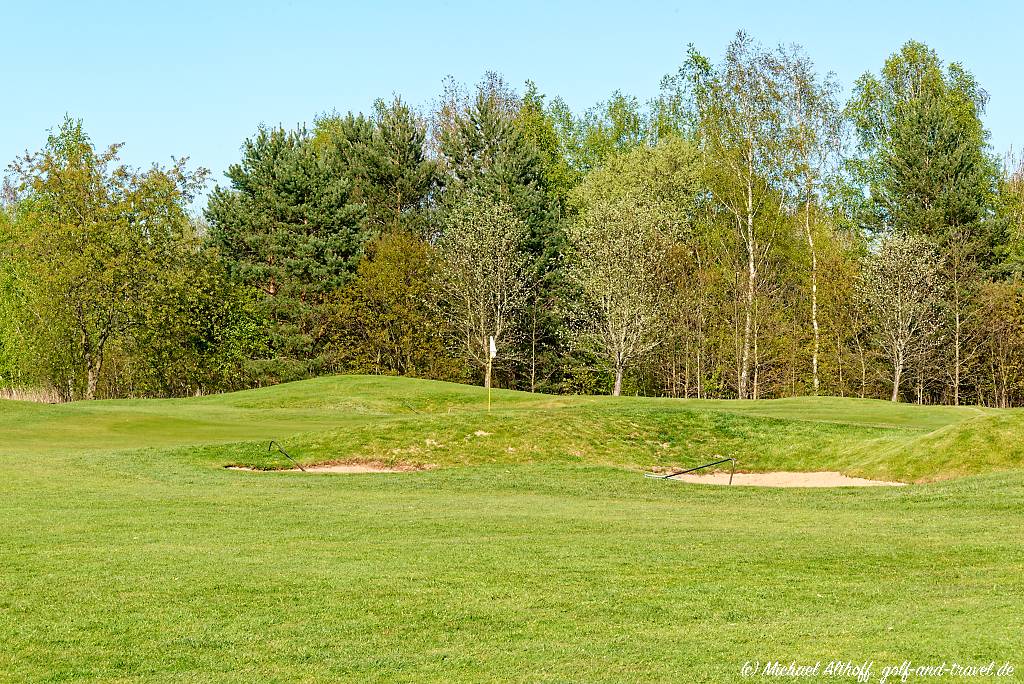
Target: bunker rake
[(270, 449), (732, 472)]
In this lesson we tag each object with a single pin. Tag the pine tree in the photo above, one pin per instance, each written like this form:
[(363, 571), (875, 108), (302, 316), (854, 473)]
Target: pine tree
[(287, 227), (385, 157)]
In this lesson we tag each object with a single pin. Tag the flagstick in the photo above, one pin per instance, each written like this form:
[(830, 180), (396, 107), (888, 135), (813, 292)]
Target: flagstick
[(492, 351)]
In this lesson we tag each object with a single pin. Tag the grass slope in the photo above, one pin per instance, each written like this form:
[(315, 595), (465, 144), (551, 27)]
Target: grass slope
[(423, 422), (129, 554)]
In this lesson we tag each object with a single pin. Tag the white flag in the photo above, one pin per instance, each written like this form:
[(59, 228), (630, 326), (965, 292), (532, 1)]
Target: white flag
[(494, 349)]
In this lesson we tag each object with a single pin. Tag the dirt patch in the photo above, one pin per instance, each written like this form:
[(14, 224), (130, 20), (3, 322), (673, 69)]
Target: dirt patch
[(785, 479), (338, 468)]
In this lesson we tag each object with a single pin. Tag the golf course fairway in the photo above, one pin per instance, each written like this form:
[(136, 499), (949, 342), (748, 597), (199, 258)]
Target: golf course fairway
[(521, 544)]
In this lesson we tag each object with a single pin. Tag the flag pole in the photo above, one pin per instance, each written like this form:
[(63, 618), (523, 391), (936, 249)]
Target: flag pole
[(492, 351)]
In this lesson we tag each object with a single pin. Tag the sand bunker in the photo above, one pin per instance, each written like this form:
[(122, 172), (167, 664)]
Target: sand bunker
[(335, 468), (785, 479)]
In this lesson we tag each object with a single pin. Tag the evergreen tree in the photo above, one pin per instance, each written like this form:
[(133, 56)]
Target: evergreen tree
[(385, 157), (288, 227), (924, 162), (539, 125)]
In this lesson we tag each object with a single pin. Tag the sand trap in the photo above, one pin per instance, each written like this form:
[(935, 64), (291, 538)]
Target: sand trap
[(335, 468), (785, 479)]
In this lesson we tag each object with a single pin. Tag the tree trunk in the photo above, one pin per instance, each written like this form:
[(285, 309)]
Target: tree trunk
[(897, 373), (617, 389), (839, 364), (533, 345), (94, 368), (751, 281), (863, 366), (748, 325), (699, 395), (754, 394), (814, 295), (93, 357), (956, 357), (487, 375), (92, 379)]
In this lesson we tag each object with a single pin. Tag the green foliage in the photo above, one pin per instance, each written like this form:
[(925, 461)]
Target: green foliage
[(922, 145), (630, 214), (387, 318), (484, 278), (610, 128), (199, 332), (486, 151), (997, 324), (489, 144), (901, 291), (92, 241), (1010, 215), (733, 194), (288, 227), (386, 160), (14, 361), (539, 124)]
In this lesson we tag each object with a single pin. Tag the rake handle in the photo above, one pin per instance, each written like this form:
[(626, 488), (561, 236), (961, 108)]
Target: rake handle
[(270, 448)]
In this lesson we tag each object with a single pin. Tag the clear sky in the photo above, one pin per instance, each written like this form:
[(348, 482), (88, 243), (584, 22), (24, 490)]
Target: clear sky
[(193, 78)]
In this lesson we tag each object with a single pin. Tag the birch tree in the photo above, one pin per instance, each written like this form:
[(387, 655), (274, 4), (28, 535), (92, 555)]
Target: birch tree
[(484, 275), (738, 118), (814, 125)]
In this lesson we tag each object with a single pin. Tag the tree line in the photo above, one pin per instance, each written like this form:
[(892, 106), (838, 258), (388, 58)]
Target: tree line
[(744, 234)]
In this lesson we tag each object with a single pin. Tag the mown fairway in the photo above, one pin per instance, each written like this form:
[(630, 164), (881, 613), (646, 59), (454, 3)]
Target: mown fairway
[(535, 551)]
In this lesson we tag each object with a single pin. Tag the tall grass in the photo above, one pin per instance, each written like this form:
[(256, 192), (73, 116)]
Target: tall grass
[(40, 395)]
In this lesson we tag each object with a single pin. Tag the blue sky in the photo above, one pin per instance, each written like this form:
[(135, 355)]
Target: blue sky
[(195, 78)]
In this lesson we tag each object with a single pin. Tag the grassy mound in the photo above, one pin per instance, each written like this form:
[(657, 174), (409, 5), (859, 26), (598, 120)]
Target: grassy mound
[(392, 420)]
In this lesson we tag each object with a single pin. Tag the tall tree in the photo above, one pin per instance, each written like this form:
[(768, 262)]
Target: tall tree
[(484, 276), (738, 121), (486, 149), (288, 227), (923, 159), (94, 239), (813, 128)]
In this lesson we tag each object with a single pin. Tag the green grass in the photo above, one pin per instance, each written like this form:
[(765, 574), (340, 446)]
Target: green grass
[(535, 552)]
